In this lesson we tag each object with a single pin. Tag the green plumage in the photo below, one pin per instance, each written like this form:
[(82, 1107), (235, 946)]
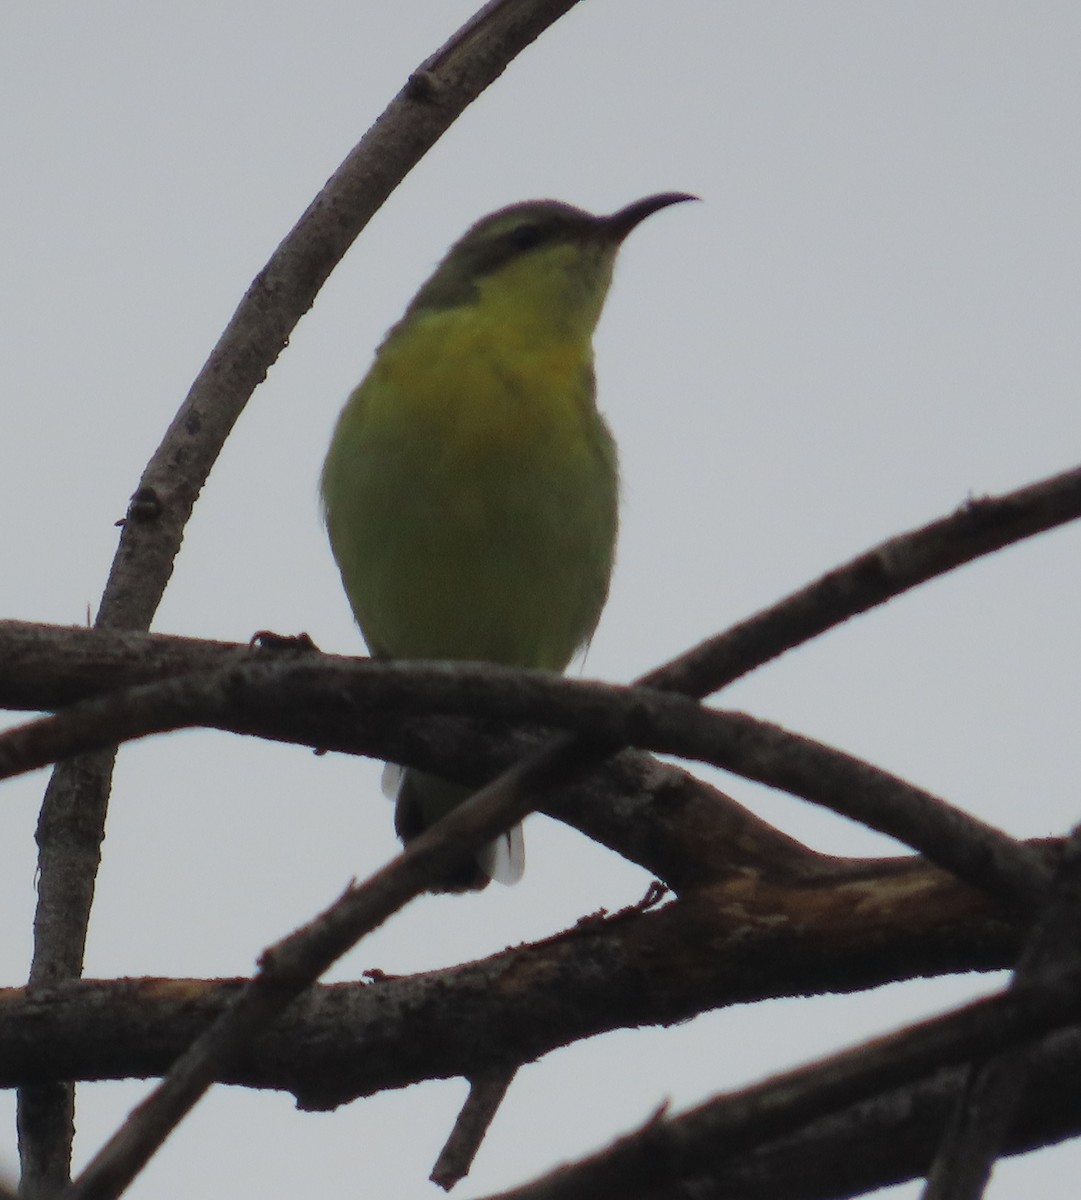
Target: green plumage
[(471, 488)]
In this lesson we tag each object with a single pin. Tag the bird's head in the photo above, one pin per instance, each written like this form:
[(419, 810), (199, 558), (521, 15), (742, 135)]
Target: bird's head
[(542, 261)]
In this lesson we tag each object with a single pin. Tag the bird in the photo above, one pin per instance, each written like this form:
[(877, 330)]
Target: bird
[(471, 489)]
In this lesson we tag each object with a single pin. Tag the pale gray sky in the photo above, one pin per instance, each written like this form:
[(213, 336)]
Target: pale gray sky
[(872, 315)]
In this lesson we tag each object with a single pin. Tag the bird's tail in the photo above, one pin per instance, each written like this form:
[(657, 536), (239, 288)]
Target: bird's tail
[(421, 799)]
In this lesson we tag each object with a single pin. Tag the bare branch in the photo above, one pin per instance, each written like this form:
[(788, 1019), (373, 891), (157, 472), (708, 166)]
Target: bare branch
[(273, 698), (858, 925), (481, 1105)]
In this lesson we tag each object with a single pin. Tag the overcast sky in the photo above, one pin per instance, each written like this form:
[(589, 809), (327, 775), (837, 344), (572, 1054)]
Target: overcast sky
[(872, 316)]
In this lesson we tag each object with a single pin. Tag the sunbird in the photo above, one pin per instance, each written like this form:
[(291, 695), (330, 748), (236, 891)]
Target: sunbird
[(471, 488)]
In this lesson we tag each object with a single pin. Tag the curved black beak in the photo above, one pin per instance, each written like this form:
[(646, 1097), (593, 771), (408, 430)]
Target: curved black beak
[(620, 223)]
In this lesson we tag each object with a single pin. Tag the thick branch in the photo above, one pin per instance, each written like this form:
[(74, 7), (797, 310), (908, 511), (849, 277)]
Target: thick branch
[(278, 697), (863, 925)]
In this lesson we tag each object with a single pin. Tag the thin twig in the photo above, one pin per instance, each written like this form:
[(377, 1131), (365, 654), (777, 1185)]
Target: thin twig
[(979, 527), (477, 1114)]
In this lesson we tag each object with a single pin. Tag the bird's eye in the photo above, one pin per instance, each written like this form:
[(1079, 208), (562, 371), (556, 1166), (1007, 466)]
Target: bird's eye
[(526, 236)]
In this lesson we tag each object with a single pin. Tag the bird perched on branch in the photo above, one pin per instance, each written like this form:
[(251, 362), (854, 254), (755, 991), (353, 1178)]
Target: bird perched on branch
[(471, 487)]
